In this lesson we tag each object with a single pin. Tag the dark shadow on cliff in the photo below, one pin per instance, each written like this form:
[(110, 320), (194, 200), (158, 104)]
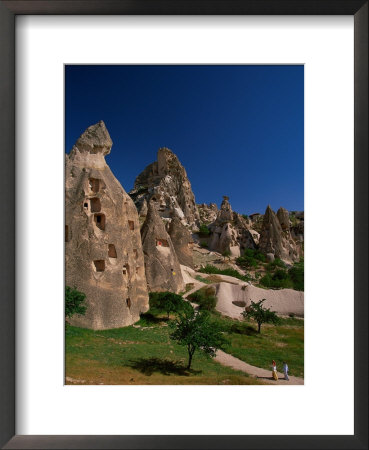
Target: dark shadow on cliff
[(148, 366)]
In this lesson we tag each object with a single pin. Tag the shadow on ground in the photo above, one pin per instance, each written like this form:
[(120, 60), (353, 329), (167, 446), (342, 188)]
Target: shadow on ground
[(148, 366), (151, 319), (241, 329)]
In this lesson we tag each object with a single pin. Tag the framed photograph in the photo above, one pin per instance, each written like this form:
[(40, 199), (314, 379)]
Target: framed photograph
[(164, 168)]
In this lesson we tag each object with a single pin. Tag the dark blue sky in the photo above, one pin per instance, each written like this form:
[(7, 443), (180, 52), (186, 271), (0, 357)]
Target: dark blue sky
[(238, 130)]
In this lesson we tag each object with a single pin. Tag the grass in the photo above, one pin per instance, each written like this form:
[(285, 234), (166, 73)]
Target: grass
[(231, 272), (283, 342), (139, 355)]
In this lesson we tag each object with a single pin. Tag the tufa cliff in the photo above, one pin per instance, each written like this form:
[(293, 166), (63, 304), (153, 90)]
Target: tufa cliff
[(103, 251)]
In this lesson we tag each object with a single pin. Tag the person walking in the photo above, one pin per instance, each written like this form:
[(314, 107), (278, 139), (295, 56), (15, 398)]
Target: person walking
[(285, 370), (274, 371)]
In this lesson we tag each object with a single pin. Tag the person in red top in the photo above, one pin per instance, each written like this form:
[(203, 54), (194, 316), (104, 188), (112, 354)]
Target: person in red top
[(274, 370)]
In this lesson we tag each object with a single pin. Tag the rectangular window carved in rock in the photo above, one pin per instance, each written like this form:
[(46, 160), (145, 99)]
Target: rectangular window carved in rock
[(128, 301), (66, 233), (99, 265), (131, 225), (112, 253), (162, 243), (100, 221), (94, 184), (95, 204)]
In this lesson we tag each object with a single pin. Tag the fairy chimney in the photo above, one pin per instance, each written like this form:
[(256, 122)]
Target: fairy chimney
[(163, 272), (103, 249)]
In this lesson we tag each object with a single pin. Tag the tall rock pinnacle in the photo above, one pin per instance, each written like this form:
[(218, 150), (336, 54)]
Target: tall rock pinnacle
[(163, 272), (165, 182), (103, 249)]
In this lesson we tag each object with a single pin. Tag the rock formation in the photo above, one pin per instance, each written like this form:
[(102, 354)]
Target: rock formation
[(208, 213), (165, 182), (182, 242), (230, 232), (163, 272), (284, 219), (274, 240), (233, 298), (103, 250)]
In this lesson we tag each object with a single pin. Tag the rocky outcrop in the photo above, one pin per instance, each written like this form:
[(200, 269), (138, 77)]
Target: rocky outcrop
[(230, 233), (233, 298), (182, 242), (163, 272), (274, 240), (208, 213), (165, 182), (103, 251), (284, 219)]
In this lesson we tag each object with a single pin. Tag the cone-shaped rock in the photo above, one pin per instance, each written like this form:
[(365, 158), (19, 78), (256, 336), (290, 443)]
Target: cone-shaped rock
[(103, 249), (273, 240), (182, 242), (165, 182), (230, 233), (284, 218), (163, 272)]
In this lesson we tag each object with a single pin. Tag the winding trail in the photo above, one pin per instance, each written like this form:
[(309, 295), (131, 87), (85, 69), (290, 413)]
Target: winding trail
[(262, 374)]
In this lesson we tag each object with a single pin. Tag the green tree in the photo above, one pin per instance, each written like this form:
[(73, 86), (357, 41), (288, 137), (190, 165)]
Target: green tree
[(260, 314), (74, 302), (168, 302), (195, 331)]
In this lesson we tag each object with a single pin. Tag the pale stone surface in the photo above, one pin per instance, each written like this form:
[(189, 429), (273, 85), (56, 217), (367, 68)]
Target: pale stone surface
[(233, 298), (230, 232), (182, 242), (276, 241), (103, 251), (166, 183), (163, 272), (208, 213)]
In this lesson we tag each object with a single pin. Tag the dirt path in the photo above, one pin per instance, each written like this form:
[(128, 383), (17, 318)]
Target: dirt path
[(263, 375)]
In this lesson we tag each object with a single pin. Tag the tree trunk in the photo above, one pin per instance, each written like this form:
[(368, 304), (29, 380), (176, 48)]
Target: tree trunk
[(190, 354), (259, 327)]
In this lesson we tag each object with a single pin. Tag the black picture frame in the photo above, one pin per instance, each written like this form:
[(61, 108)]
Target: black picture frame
[(8, 12)]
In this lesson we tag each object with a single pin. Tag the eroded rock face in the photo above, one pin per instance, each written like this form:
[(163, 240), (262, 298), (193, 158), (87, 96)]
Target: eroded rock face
[(230, 232), (163, 272), (274, 240), (284, 219), (104, 257), (208, 213), (165, 182), (182, 242)]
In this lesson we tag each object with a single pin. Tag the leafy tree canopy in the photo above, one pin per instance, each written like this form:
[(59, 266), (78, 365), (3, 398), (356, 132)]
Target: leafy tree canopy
[(260, 314), (195, 331), (74, 302)]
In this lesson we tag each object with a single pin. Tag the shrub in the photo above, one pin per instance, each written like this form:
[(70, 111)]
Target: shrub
[(245, 216), (205, 298), (74, 302), (167, 301), (204, 230), (296, 274), (204, 244), (231, 272)]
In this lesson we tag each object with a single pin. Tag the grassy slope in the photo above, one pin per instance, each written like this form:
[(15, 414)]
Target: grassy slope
[(146, 355), (284, 342), (139, 356)]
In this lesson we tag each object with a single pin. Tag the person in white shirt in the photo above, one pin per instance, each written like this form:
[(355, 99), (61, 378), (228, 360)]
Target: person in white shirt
[(285, 370)]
